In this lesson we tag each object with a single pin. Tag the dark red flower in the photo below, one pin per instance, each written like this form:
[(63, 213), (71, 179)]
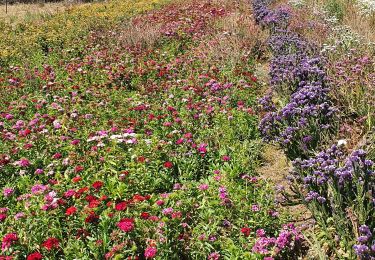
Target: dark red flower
[(97, 185), (121, 206), (92, 218), (57, 156), (51, 243), (246, 231), (168, 164), (35, 256), (145, 215)]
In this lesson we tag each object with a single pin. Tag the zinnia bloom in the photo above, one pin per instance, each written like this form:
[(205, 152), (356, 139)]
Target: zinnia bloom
[(168, 164), (121, 206), (150, 252), (70, 211), (8, 240), (51, 243), (246, 231), (126, 224), (97, 185), (35, 256)]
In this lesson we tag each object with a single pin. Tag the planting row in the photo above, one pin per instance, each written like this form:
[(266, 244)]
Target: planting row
[(338, 189)]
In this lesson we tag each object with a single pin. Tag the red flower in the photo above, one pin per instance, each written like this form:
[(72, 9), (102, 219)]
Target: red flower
[(76, 179), (138, 198), (246, 231), (121, 206), (57, 156), (51, 243), (94, 203), (34, 256), (145, 215), (126, 224), (92, 218), (97, 185), (8, 240), (70, 211), (78, 168), (168, 164)]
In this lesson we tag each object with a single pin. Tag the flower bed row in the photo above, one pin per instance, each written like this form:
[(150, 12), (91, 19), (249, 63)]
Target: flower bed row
[(338, 189)]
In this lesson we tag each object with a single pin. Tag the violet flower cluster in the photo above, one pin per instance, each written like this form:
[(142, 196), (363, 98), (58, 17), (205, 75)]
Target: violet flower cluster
[(334, 183), (297, 75)]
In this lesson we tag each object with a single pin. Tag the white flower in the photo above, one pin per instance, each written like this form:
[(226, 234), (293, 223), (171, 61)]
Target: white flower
[(342, 142)]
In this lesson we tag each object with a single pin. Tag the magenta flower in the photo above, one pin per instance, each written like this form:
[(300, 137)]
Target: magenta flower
[(8, 240), (203, 187), (7, 192), (150, 252), (24, 162), (225, 158)]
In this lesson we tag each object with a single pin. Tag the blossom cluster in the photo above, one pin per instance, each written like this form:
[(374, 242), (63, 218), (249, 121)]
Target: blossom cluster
[(297, 75)]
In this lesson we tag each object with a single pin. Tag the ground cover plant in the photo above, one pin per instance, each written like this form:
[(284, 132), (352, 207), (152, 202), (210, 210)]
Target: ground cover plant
[(140, 148), (136, 130)]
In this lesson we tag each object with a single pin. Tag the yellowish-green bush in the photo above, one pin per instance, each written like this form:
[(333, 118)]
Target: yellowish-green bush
[(65, 29)]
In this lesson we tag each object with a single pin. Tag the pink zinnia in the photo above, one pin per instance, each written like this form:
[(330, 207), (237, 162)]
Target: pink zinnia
[(225, 158), (203, 187), (24, 163), (8, 240), (126, 224), (8, 192), (150, 252)]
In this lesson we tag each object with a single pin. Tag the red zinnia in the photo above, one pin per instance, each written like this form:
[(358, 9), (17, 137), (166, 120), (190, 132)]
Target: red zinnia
[(168, 164), (51, 243), (70, 211), (76, 179), (92, 218), (126, 224), (145, 215), (121, 206), (79, 168), (97, 185), (35, 256), (246, 231)]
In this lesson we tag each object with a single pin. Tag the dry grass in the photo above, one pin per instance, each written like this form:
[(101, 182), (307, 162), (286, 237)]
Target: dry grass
[(237, 37), (352, 17), (26, 12)]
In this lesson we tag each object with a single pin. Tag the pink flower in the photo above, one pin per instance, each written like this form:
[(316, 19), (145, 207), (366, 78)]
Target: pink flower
[(56, 124), (8, 240), (214, 256), (75, 142), (126, 224), (150, 252), (255, 208), (203, 187), (7, 192), (39, 171), (24, 162), (2, 217), (167, 211), (202, 148), (160, 202), (225, 158)]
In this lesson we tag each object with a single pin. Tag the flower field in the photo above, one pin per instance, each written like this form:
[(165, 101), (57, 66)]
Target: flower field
[(138, 129)]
